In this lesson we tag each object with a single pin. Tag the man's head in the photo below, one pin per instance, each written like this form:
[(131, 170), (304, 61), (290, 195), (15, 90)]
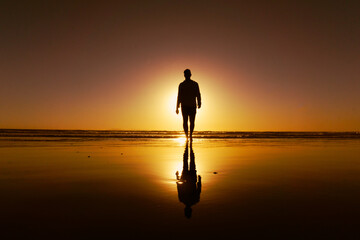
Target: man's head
[(187, 73)]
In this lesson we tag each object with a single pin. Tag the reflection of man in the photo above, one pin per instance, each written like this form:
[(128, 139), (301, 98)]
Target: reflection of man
[(187, 95), (188, 185)]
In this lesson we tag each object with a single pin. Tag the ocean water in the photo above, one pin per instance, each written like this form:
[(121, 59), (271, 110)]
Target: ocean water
[(36, 134)]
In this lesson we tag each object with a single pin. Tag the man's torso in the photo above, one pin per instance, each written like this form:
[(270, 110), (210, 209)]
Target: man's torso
[(188, 91)]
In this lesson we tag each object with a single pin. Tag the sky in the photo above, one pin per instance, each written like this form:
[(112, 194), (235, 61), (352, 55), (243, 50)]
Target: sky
[(260, 65)]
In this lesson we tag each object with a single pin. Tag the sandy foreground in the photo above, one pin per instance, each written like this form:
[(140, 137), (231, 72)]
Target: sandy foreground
[(127, 189)]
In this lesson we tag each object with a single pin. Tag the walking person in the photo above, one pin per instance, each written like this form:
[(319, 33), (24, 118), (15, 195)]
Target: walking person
[(189, 98)]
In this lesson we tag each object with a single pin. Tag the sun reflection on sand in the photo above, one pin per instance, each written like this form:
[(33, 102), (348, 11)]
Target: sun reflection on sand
[(180, 141)]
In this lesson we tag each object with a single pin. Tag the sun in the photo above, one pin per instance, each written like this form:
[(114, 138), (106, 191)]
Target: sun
[(171, 100)]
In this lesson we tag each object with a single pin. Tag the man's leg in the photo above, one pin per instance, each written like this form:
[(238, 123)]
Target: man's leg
[(186, 157), (192, 160), (192, 123), (185, 120)]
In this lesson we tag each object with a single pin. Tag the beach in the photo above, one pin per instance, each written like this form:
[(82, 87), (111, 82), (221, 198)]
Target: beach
[(127, 188)]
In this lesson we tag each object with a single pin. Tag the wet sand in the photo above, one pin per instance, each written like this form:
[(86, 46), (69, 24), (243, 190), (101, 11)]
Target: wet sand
[(127, 189)]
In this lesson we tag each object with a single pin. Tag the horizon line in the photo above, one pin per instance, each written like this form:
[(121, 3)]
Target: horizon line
[(157, 130)]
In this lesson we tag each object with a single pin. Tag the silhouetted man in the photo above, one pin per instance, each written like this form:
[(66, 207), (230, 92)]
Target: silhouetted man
[(188, 93), (189, 183)]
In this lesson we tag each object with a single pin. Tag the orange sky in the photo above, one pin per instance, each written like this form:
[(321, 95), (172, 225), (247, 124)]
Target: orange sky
[(275, 67)]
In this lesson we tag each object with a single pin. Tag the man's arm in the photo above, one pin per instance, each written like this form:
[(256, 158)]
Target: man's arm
[(178, 101), (198, 96)]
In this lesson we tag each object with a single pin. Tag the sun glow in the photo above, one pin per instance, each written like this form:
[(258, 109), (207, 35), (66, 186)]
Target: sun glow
[(159, 99), (171, 100), (180, 140)]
